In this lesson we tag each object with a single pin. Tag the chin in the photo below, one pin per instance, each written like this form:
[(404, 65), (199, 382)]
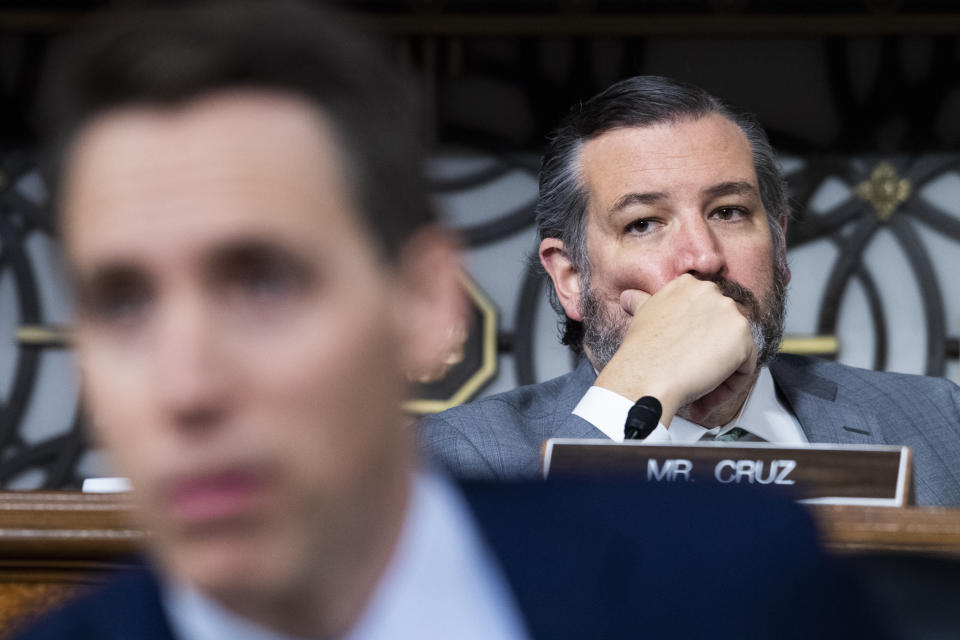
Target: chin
[(233, 568)]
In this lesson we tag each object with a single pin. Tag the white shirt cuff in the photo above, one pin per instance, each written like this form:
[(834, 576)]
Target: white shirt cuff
[(607, 411)]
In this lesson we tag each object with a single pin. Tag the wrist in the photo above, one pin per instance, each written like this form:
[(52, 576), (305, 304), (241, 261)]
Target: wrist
[(633, 390)]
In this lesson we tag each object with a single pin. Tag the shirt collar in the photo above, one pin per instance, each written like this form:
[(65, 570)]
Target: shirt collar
[(765, 416), (762, 414)]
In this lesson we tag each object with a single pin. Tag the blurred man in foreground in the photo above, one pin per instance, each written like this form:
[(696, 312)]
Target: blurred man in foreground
[(256, 268), (257, 271), (662, 216)]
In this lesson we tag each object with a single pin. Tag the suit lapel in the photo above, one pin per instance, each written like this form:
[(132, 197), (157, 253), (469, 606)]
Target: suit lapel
[(813, 400), (564, 423)]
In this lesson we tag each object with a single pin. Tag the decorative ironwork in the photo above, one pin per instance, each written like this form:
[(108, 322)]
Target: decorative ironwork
[(43, 336), (851, 225), (885, 190), (496, 84), (57, 457)]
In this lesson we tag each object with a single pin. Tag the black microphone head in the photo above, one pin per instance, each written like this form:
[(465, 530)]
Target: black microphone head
[(643, 418)]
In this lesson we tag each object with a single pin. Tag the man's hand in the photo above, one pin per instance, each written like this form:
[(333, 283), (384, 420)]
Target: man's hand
[(683, 343)]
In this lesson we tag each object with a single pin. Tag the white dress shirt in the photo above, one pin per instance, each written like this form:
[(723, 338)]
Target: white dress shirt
[(763, 415), (442, 582)]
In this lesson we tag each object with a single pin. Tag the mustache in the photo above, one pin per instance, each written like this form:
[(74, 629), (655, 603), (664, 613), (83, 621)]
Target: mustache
[(738, 293)]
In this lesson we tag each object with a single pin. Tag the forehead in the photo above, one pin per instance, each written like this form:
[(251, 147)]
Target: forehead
[(670, 158), (233, 162)]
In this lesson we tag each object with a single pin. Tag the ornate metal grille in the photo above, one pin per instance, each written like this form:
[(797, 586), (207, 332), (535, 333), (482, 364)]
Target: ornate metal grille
[(862, 97)]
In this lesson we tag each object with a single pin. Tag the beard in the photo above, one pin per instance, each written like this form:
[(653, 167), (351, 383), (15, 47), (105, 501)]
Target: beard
[(603, 333)]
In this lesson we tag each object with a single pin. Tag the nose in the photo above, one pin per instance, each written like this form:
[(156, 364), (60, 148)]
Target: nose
[(190, 372), (696, 249)]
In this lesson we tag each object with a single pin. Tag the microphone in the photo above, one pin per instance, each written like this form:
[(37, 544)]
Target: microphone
[(643, 418)]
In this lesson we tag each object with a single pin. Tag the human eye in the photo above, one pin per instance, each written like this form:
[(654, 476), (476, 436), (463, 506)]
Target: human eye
[(261, 274), (269, 279), (730, 213), (640, 226), (115, 300)]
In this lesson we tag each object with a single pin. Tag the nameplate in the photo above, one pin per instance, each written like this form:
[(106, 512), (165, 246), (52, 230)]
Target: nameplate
[(874, 475)]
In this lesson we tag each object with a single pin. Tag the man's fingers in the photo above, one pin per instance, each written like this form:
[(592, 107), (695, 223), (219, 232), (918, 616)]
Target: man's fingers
[(633, 299)]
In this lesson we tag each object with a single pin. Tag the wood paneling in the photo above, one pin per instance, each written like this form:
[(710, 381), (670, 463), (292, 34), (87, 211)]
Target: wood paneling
[(55, 544)]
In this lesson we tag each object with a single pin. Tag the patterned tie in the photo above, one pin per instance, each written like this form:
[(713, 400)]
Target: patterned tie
[(733, 435)]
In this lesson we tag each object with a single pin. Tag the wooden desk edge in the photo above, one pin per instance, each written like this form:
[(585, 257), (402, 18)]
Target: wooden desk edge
[(907, 529), (73, 526)]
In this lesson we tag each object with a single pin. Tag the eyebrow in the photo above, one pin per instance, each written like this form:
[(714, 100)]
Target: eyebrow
[(228, 255), (734, 188), (86, 286), (247, 253), (648, 198)]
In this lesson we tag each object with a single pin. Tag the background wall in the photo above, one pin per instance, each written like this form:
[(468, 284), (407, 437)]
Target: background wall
[(861, 98)]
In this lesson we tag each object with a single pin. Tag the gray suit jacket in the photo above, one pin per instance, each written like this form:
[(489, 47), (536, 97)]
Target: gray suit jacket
[(501, 436)]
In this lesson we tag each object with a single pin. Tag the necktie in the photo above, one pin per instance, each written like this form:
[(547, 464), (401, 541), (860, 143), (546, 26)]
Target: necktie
[(733, 435)]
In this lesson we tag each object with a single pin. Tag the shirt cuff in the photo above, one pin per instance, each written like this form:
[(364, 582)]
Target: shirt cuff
[(607, 411)]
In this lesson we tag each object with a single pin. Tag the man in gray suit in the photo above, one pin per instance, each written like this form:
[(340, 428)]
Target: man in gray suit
[(662, 217)]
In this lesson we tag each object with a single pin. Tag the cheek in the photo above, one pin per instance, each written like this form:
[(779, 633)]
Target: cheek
[(616, 268), (324, 349), (646, 272), (116, 400), (331, 383), (754, 269)]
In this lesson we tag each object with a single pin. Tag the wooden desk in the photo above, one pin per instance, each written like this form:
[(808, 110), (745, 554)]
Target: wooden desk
[(52, 544), (906, 530)]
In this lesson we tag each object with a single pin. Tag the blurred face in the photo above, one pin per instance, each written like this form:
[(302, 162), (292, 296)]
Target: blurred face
[(670, 199), (238, 337)]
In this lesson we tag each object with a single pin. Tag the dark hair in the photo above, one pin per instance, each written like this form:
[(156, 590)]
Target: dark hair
[(639, 101), (169, 57)]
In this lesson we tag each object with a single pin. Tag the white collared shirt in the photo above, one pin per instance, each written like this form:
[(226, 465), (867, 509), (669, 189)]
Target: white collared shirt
[(442, 582), (763, 415)]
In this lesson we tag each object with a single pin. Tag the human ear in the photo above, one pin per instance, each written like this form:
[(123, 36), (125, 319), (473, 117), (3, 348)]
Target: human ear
[(432, 307), (564, 274)]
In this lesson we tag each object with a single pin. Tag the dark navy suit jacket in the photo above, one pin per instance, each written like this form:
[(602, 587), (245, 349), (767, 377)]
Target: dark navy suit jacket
[(603, 559)]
